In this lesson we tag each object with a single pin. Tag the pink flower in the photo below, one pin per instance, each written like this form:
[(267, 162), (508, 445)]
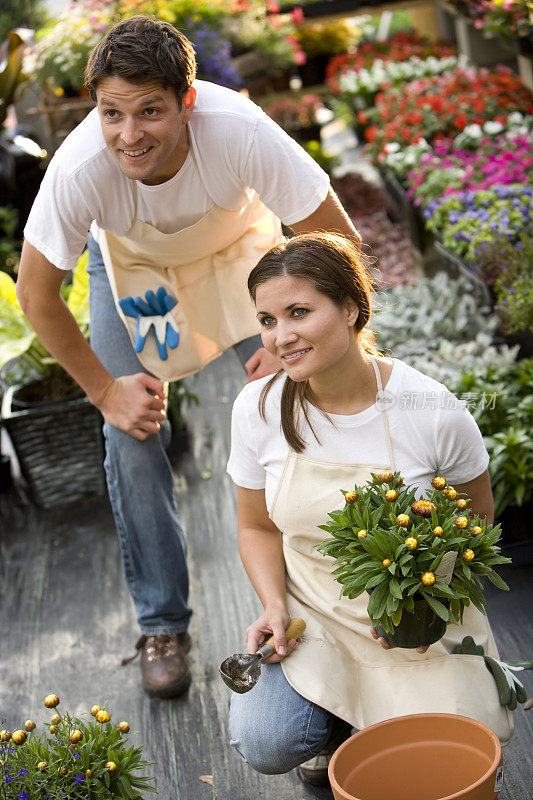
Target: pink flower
[(276, 21), (297, 15), (273, 7), (299, 57)]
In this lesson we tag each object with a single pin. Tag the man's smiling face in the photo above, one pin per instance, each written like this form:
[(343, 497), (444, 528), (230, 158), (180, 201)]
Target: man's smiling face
[(144, 127)]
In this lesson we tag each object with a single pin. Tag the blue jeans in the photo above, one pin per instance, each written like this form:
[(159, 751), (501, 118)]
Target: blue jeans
[(139, 479), (274, 729)]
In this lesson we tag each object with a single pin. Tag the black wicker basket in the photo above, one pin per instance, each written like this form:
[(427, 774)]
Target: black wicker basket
[(59, 446)]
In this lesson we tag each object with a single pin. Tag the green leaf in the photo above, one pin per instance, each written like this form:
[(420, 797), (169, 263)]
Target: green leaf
[(376, 580), (437, 606)]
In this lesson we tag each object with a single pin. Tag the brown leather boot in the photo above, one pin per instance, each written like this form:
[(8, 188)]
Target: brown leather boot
[(164, 668)]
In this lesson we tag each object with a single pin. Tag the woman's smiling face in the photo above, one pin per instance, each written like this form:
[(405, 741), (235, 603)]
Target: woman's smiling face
[(303, 328)]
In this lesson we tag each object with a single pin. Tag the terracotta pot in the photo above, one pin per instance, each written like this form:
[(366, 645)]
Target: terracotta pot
[(419, 757)]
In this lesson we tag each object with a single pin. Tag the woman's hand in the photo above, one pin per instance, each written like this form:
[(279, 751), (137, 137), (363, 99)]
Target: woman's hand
[(386, 646), (272, 621)]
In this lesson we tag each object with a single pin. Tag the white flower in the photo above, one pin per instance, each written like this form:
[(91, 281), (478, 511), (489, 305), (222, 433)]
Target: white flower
[(492, 128), (392, 147), (473, 130), (515, 118)]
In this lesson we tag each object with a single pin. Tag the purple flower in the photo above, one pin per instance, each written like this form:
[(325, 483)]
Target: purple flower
[(22, 796), (23, 772), (79, 778)]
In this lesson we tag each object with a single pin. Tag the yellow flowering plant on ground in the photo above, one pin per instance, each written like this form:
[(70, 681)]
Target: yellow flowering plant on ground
[(72, 758), (400, 547)]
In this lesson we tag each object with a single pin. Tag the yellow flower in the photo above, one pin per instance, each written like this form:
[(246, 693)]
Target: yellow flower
[(361, 534), (103, 716), (450, 493), (469, 555), (62, 770), (29, 725), (438, 531), (123, 727), (76, 737), (411, 543), (88, 773), (19, 737), (438, 483), (403, 520), (476, 530), (428, 578), (52, 729), (384, 477), (95, 710), (111, 766), (55, 719), (351, 497), (461, 504), (5, 736), (391, 495), (386, 562), (42, 766), (423, 508), (461, 523), (51, 700)]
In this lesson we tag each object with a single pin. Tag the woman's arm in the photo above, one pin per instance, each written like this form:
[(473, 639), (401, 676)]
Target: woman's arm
[(480, 493), (261, 552)]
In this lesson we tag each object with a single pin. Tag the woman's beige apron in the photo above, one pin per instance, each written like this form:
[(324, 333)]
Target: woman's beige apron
[(205, 267), (339, 665)]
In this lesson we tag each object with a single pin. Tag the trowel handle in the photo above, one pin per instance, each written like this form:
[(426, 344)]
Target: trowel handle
[(295, 629)]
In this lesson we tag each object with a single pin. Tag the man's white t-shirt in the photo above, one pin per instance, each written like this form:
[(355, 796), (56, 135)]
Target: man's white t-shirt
[(84, 183), (432, 433)]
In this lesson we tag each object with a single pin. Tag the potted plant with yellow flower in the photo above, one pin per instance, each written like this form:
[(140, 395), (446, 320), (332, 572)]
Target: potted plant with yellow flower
[(421, 560), (71, 758)]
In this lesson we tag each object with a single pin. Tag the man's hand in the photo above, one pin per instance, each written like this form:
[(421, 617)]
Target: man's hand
[(135, 404), (260, 364)]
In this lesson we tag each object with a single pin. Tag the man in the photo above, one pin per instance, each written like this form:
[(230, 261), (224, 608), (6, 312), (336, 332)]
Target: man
[(183, 185)]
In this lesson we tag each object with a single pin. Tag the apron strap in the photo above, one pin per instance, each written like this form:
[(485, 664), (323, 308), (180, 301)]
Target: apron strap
[(384, 416)]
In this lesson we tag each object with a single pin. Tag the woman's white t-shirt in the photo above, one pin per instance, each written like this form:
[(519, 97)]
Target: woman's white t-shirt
[(432, 433)]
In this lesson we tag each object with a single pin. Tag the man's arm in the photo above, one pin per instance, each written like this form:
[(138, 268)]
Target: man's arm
[(135, 403), (329, 217)]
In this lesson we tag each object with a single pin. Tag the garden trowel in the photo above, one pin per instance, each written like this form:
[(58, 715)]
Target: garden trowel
[(241, 671)]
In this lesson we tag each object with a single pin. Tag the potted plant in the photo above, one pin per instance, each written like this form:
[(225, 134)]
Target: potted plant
[(53, 430), (74, 758), (320, 41), (298, 116), (420, 559)]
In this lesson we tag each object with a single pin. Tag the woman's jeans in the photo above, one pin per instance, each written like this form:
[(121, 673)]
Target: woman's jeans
[(139, 479), (274, 729)]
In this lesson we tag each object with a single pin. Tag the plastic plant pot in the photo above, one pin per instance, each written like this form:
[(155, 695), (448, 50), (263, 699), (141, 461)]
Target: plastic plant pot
[(419, 757), (419, 628)]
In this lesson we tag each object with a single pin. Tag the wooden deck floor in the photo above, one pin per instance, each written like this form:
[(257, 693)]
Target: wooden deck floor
[(66, 621)]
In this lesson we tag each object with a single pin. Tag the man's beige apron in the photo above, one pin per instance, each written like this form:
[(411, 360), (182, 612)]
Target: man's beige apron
[(205, 267), (338, 664)]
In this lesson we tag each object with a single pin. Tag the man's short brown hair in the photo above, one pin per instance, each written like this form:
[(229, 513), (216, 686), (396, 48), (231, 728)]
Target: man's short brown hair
[(142, 49)]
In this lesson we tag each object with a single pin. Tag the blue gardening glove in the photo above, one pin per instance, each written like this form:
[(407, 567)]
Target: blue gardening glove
[(153, 312), (510, 690)]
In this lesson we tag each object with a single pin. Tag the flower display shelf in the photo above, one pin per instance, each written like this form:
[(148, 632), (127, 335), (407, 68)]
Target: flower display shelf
[(397, 194), (324, 8), (58, 445), (458, 265)]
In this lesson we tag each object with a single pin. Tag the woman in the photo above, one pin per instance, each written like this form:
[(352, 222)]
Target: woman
[(336, 412)]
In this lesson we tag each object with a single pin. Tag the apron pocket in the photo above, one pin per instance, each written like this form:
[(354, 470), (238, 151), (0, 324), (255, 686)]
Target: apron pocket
[(451, 684)]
